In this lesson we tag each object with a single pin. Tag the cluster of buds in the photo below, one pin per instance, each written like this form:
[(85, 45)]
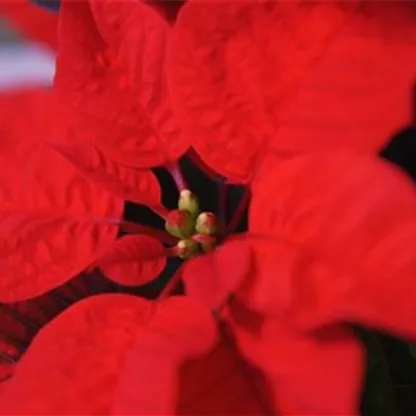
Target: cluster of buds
[(197, 231)]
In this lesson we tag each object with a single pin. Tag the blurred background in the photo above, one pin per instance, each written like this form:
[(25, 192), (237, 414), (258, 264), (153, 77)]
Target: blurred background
[(6, 33), (23, 64)]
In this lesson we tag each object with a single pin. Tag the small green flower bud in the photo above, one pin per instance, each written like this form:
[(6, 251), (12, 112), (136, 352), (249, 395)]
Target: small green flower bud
[(206, 242), (207, 223), (188, 202), (187, 249), (179, 224)]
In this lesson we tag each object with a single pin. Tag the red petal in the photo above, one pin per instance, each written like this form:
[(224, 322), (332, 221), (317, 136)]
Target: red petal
[(221, 383), (177, 368), (306, 370), (179, 329), (269, 289), (351, 222), (235, 65), (360, 94), (110, 71), (32, 21), (48, 209), (212, 278), (31, 105), (136, 185), (134, 260), (73, 364), (291, 76)]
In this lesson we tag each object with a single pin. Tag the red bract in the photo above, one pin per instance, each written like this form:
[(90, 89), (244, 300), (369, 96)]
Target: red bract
[(253, 78), (251, 376), (290, 76), (230, 274), (113, 103), (330, 248), (303, 369), (136, 185), (31, 21), (110, 76), (73, 365), (48, 209), (348, 221), (133, 260), (115, 354)]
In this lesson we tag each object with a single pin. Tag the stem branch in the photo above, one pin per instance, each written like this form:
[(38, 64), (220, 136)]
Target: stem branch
[(175, 170), (223, 199), (171, 285), (238, 215)]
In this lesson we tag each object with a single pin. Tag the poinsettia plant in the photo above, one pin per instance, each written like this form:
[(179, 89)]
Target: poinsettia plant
[(290, 100)]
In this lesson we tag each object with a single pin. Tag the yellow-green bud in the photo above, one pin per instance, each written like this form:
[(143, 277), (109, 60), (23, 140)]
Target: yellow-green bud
[(186, 249), (207, 223), (180, 224), (188, 202)]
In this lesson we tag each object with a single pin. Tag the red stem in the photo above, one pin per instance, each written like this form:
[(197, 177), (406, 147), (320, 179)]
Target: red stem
[(223, 197), (170, 287), (176, 173), (161, 211), (238, 215)]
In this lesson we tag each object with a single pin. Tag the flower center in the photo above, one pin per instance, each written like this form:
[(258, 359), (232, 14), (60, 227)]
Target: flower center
[(197, 231)]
